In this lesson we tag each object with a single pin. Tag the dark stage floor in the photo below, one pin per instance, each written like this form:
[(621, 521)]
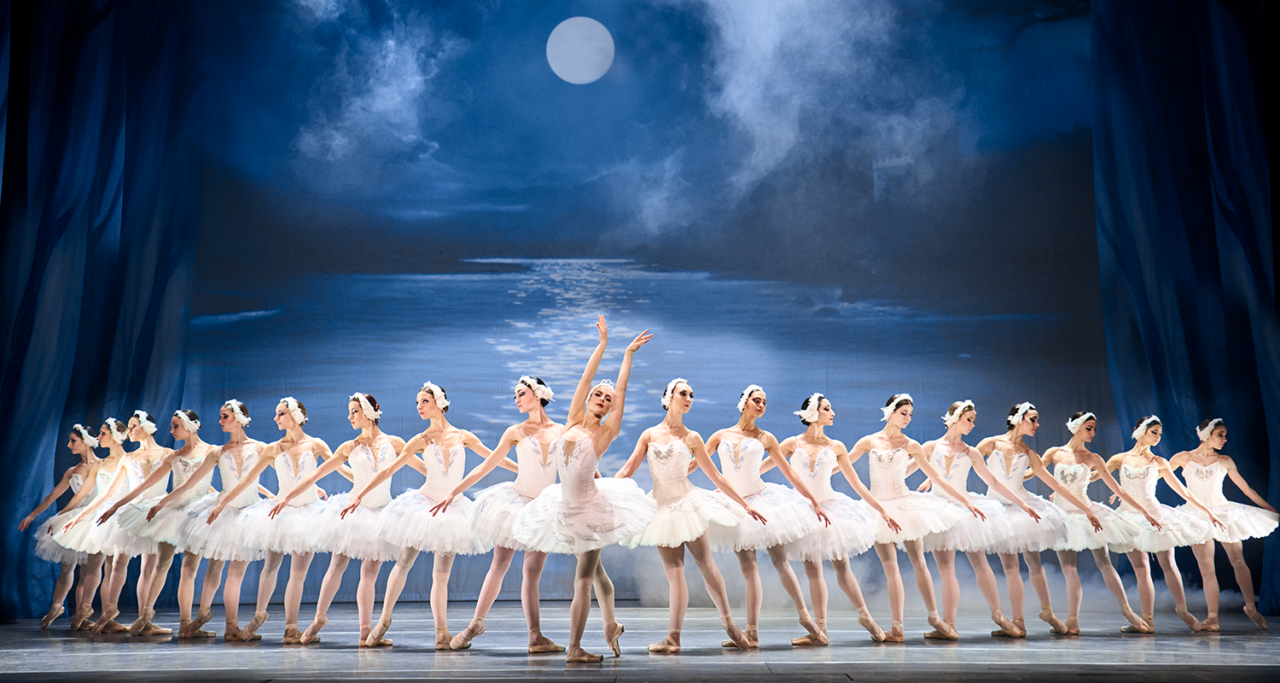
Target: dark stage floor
[(1239, 652)]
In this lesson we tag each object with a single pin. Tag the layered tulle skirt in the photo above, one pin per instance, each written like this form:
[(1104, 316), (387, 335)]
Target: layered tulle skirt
[(919, 515), (618, 512), (1116, 529), (47, 546), (688, 517), (292, 532), (1241, 521), (167, 526), (220, 540), (407, 522), (1177, 529), (494, 519), (789, 517), (972, 534), (1028, 535), (355, 535), (113, 537), (852, 532)]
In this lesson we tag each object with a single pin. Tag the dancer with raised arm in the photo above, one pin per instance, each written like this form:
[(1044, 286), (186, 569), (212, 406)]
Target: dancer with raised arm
[(1074, 465), (918, 514), (1204, 470), (792, 514), (852, 529), (407, 522), (1139, 470), (685, 512), (81, 443), (355, 535)]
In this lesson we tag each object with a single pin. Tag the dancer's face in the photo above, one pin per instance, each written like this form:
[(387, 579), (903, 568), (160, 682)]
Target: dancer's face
[(681, 398), (1030, 423), (901, 417), (1088, 430), (105, 436), (1218, 438), (427, 406), (1152, 436), (967, 421), (826, 414), (600, 402), (284, 419), (526, 400), (355, 415), (755, 405), (75, 445), (136, 433), (175, 428), (226, 420)]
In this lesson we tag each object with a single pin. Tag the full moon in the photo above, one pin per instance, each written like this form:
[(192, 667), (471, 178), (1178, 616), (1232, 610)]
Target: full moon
[(580, 50)]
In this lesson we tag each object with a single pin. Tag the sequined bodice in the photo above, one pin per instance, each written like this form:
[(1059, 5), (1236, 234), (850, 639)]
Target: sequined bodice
[(740, 464), (445, 469), (1205, 481), (578, 471), (365, 463), (1075, 478), (133, 469), (669, 469), (957, 474), (232, 474), (1140, 483), (816, 470), (183, 469), (289, 477), (535, 474), (888, 473), (1010, 471)]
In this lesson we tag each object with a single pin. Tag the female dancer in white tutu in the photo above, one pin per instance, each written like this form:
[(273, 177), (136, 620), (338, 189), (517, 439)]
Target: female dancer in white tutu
[(1012, 461), (292, 532), (919, 514), (81, 443), (1204, 470), (953, 458), (581, 515), (685, 513), (792, 514), (852, 530), (109, 536), (407, 522), (355, 535), (161, 519), (1074, 465), (1139, 470), (537, 444)]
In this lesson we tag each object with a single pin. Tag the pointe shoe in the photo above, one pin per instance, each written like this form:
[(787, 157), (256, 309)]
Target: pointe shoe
[(943, 630), (309, 635), (462, 641), (1006, 626), (865, 620), (81, 619), (612, 639), (540, 644), (1148, 622), (669, 645), (54, 612), (1258, 620), (292, 636), (153, 630), (1190, 620), (809, 639), (581, 656), (375, 638), (250, 632), (202, 618), (752, 633), (895, 634), (140, 624), (1021, 632), (1073, 626), (741, 642), (1210, 624), (1056, 625)]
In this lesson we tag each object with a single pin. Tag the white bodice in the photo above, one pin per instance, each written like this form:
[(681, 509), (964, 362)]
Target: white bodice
[(77, 482), (888, 473), (288, 476), (133, 469), (1076, 480), (1010, 472), (232, 474), (816, 470), (183, 469), (740, 464), (578, 471), (1205, 481), (536, 473), (669, 469), (1140, 483), (957, 474), (445, 469), (104, 483), (365, 463)]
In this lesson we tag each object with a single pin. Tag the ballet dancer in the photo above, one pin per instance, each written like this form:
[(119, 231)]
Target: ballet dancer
[(852, 529), (791, 513), (1074, 465), (918, 514), (1204, 470), (685, 512), (355, 535), (1139, 470), (81, 443)]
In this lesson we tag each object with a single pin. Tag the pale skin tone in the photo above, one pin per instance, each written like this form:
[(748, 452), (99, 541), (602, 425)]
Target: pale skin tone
[(1077, 452), (887, 439), (1205, 455), (373, 438), (733, 438), (1141, 456), (670, 430), (813, 441), (99, 564)]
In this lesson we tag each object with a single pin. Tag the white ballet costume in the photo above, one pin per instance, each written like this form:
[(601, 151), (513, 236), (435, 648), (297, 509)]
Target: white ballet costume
[(1080, 534), (970, 534), (790, 515), (1028, 534), (356, 535), (224, 539), (853, 522), (496, 507), (112, 535), (684, 512), (47, 546), (168, 524), (583, 513), (79, 538), (919, 514), (293, 531), (1241, 521), (407, 522), (1177, 528)]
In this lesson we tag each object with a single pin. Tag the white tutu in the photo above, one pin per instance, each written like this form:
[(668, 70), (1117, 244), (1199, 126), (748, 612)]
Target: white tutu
[(1177, 529), (789, 516), (852, 532), (292, 532), (617, 513), (1081, 536), (114, 538), (47, 546), (356, 535), (1028, 534), (495, 514), (221, 540), (919, 514), (688, 517), (165, 527), (407, 522), (972, 534), (1241, 521)]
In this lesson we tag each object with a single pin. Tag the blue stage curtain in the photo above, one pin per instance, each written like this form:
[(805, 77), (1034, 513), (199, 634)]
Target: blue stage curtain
[(99, 200), (1182, 188)]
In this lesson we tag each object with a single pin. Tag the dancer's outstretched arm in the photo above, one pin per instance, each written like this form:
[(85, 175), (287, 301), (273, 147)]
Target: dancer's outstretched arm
[(509, 439), (578, 406), (609, 429), (1100, 472), (158, 474), (699, 449), (845, 463), (63, 484), (1036, 466), (994, 484), (266, 458), (117, 480), (1167, 474), (331, 464), (637, 456)]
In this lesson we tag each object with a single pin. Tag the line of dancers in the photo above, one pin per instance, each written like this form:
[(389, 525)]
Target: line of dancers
[(121, 509)]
